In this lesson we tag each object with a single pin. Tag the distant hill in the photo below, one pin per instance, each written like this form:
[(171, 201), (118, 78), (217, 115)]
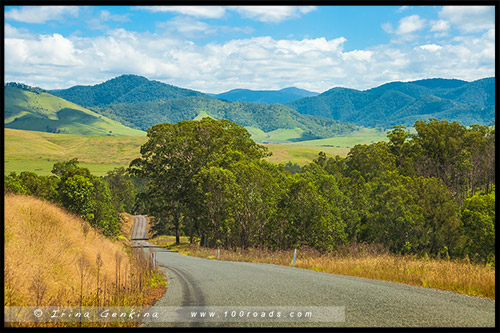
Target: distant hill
[(140, 103), (403, 103), (265, 96), (34, 109), (123, 89)]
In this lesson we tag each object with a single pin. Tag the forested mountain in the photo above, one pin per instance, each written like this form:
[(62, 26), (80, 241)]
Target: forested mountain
[(265, 96), (403, 103), (140, 103), (34, 109), (122, 89), (143, 115)]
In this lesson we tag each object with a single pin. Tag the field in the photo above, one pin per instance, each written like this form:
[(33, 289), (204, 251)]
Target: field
[(38, 151)]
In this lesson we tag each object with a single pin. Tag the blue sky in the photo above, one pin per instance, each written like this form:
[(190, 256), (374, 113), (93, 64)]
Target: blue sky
[(219, 48)]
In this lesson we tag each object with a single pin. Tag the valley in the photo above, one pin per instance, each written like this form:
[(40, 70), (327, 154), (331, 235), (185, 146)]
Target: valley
[(38, 151)]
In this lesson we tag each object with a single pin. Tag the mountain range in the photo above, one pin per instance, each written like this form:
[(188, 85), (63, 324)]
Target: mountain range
[(130, 104), (282, 96), (403, 103)]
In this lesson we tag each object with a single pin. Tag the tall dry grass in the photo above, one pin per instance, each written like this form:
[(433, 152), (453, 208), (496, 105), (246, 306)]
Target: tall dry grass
[(368, 261), (53, 258)]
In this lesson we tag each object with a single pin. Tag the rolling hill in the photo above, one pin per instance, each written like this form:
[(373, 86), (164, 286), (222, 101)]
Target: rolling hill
[(265, 96), (34, 109), (403, 103)]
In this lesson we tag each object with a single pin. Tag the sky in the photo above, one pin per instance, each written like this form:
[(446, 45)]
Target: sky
[(214, 49)]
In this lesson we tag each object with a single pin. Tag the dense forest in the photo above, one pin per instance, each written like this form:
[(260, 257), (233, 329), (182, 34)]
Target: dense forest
[(431, 193), (403, 103), (142, 115)]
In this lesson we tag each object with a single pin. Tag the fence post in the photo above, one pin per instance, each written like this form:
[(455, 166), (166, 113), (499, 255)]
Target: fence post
[(218, 253), (294, 256)]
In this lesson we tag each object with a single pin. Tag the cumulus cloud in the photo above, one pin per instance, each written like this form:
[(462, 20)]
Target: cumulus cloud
[(196, 11), (469, 18), (41, 14), (260, 62), (268, 14), (272, 14), (440, 26), (430, 47), (192, 28), (410, 24)]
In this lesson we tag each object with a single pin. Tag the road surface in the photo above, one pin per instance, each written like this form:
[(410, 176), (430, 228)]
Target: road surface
[(139, 232), (237, 289)]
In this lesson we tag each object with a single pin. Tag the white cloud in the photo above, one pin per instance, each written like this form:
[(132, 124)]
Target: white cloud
[(41, 14), (440, 26), (359, 55), (387, 27), (192, 28), (469, 18), (410, 24), (187, 26), (272, 14), (430, 47), (196, 11), (97, 22), (261, 62)]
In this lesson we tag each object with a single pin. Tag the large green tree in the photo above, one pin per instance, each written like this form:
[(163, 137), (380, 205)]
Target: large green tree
[(175, 153)]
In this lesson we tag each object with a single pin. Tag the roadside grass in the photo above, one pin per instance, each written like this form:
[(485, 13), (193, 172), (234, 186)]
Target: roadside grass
[(361, 260), (53, 258)]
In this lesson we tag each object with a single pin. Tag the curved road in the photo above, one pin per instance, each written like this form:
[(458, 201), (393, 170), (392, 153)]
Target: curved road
[(239, 288)]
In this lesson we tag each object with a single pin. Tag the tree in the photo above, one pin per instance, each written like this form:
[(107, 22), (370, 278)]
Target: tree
[(122, 189), (175, 153), (370, 160), (12, 184), (394, 218), (76, 194), (478, 225), (87, 196), (439, 232), (441, 153)]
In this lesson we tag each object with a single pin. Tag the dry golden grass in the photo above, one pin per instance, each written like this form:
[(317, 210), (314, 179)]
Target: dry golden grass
[(53, 258), (367, 261), (127, 225)]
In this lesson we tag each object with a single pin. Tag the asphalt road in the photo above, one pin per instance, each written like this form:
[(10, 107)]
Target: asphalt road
[(237, 289), (140, 229)]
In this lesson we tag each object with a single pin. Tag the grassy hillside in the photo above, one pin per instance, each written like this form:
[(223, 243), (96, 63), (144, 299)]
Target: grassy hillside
[(53, 258), (36, 110), (38, 151)]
